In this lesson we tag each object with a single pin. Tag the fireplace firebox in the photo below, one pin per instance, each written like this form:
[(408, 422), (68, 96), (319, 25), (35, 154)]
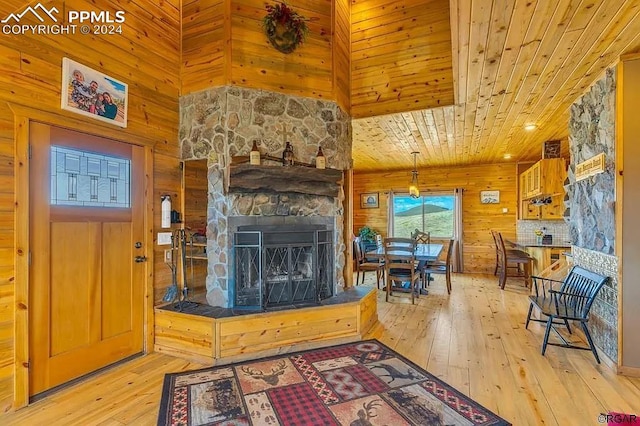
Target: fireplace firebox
[(276, 266)]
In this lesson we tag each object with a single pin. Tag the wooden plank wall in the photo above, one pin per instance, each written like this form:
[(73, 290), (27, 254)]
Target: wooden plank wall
[(196, 197), (255, 63), (342, 54), (478, 219), (224, 43), (205, 27), (400, 56), (146, 56), (7, 267)]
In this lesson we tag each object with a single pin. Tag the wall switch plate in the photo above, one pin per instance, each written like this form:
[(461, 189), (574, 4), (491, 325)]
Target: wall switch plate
[(505, 210), (168, 256), (164, 238)]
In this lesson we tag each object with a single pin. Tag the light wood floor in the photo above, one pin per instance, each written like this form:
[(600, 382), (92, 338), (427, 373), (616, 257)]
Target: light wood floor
[(473, 339)]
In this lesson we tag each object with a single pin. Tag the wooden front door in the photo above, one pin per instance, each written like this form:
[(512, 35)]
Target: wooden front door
[(86, 289)]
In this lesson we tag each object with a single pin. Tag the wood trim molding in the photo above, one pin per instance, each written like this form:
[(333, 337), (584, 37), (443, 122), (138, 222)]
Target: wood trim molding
[(21, 319), (347, 205), (619, 192), (630, 57), (68, 120), (149, 319), (629, 371)]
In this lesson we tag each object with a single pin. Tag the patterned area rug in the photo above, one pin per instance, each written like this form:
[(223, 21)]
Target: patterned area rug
[(357, 384)]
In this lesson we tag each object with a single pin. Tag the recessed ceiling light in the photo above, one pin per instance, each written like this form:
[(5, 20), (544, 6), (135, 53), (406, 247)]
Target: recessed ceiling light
[(529, 127), (507, 156)]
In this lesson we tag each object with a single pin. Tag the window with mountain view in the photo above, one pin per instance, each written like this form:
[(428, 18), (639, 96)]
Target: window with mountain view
[(428, 213)]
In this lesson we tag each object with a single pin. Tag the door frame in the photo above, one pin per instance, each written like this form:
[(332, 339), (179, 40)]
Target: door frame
[(23, 116)]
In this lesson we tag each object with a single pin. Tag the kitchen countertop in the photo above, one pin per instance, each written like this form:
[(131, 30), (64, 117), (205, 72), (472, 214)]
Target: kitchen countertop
[(533, 243)]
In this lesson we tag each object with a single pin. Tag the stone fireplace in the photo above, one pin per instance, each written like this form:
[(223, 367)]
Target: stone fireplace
[(221, 123)]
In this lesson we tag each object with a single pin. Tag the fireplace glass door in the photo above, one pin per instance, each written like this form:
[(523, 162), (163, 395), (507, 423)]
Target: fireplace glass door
[(289, 275), (275, 268)]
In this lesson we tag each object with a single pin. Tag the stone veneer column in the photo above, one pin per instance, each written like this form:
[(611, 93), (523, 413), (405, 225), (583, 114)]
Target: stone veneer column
[(592, 131), (592, 222), (223, 122)]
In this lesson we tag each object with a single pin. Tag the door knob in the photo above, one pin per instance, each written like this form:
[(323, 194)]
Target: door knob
[(140, 259)]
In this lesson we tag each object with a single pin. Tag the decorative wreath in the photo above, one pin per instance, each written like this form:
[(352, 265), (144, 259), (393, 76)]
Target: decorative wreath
[(285, 28)]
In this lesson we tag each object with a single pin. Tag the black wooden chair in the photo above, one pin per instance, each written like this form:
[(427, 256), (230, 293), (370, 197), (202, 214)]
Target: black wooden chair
[(571, 302), (362, 265)]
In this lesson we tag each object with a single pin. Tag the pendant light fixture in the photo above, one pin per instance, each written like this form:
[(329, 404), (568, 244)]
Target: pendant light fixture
[(414, 192)]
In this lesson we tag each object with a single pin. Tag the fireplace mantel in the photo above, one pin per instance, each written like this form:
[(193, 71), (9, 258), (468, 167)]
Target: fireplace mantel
[(246, 178)]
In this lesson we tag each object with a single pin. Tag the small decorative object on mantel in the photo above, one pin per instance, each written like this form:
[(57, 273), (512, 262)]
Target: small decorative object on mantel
[(321, 161), (285, 28), (254, 155), (287, 155)]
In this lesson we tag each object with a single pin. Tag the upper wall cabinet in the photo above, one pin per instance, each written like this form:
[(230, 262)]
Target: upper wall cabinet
[(542, 190), (544, 179)]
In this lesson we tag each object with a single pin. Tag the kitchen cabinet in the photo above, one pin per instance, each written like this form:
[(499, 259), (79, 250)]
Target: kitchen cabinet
[(543, 257), (544, 178), (552, 211)]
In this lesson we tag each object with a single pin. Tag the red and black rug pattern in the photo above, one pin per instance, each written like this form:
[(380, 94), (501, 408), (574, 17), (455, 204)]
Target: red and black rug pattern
[(357, 384)]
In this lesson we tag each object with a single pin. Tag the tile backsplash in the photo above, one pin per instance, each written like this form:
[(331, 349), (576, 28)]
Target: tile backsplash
[(525, 230)]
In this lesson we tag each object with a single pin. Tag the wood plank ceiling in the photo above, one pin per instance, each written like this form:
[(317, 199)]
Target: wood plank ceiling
[(515, 62)]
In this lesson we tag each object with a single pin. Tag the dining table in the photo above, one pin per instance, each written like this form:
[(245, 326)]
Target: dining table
[(423, 253)]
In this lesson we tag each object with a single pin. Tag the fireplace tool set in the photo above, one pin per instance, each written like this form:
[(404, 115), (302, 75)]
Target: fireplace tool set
[(179, 242)]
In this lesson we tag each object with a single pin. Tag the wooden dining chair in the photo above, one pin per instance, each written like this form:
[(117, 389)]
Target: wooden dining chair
[(439, 267), (514, 257), (400, 266), (421, 237), (511, 251), (363, 265)]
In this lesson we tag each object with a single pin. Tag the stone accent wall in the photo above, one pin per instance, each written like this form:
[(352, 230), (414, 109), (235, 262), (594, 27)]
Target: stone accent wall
[(603, 322), (223, 122), (591, 201)]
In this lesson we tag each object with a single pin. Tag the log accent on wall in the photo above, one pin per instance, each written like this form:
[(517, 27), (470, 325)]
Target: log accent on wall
[(478, 219), (279, 179), (400, 56)]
